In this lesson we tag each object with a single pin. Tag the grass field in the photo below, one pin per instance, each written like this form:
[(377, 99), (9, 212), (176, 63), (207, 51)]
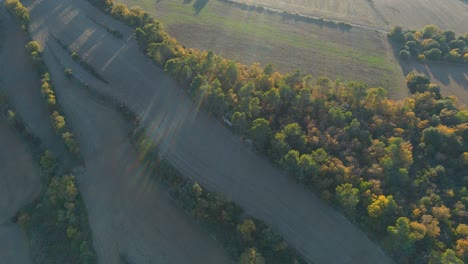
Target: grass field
[(250, 36)]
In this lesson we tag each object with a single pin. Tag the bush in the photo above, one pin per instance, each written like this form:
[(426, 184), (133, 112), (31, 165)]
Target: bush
[(404, 54), (68, 72)]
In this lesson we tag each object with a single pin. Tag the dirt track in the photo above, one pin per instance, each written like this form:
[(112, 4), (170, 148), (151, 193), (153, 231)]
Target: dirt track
[(19, 185), (195, 143)]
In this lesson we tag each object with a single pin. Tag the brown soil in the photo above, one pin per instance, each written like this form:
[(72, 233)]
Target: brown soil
[(198, 145)]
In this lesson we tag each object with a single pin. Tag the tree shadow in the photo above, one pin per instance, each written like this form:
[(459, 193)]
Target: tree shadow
[(199, 5), (452, 77), (185, 2)]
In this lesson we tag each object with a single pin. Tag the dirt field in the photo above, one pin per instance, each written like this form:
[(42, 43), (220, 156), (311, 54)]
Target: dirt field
[(19, 185), (249, 36), (382, 14), (21, 84), (195, 143), (128, 213)]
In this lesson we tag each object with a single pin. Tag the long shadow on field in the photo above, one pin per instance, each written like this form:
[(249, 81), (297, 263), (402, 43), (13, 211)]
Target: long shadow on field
[(199, 5), (451, 77), (195, 143)]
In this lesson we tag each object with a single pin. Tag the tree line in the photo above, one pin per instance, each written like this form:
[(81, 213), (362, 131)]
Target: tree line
[(431, 43), (398, 168), (56, 222), (245, 238), (19, 11), (47, 91)]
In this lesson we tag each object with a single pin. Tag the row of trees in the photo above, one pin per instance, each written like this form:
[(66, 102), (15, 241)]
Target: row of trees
[(245, 238), (431, 43), (383, 162), (56, 223), (47, 91), (19, 11)]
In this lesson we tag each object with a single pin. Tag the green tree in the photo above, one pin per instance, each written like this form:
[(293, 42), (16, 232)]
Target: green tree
[(279, 146), (404, 55), (290, 162), (295, 136), (402, 239), (251, 256), (430, 31), (260, 132), (348, 198), (239, 121), (417, 83), (396, 33), (449, 257), (247, 230)]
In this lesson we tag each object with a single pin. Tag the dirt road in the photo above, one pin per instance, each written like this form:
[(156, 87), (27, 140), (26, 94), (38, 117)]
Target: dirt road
[(19, 185), (21, 83), (129, 213), (195, 143)]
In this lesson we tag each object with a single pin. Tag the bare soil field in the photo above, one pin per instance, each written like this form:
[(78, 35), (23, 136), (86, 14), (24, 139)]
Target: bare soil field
[(19, 185), (250, 36), (381, 14), (21, 83), (129, 214), (195, 143)]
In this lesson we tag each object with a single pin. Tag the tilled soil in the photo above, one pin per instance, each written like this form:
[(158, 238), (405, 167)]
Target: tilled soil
[(195, 143)]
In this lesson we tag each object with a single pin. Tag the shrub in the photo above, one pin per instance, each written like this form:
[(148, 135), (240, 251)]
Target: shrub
[(404, 54)]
